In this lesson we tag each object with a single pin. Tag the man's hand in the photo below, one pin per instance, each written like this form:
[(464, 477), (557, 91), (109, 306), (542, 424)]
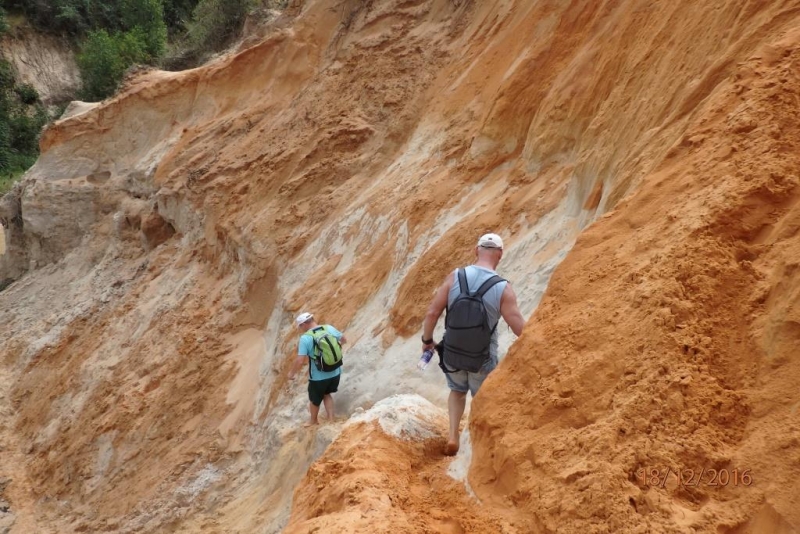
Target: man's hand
[(298, 364), (435, 309)]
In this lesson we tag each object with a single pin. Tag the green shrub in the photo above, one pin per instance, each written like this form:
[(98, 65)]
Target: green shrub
[(216, 23), (17, 165), (177, 13), (20, 128), (78, 17), (147, 18), (5, 145), (7, 79), (3, 22), (25, 129), (104, 58), (132, 47), (70, 18), (27, 94), (100, 64)]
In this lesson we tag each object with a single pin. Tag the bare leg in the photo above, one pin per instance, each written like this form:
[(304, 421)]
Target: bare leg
[(314, 413), (327, 400), (455, 407)]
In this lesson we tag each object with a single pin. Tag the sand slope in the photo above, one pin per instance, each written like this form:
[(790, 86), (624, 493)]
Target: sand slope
[(644, 156)]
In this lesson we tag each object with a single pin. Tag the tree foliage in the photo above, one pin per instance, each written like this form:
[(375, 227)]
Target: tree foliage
[(216, 22), (22, 117), (104, 59), (78, 17), (112, 36), (146, 19), (197, 27), (3, 22), (104, 56), (27, 94)]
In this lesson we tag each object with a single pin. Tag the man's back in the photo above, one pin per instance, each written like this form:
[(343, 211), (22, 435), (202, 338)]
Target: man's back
[(306, 348), (471, 318), (476, 276)]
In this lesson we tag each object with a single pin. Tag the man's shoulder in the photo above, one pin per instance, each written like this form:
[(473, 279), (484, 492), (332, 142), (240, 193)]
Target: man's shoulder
[(483, 269)]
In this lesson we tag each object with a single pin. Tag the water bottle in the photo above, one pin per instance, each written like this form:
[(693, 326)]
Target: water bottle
[(425, 359)]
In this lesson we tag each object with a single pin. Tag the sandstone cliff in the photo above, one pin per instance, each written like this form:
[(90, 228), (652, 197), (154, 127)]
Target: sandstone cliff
[(644, 156)]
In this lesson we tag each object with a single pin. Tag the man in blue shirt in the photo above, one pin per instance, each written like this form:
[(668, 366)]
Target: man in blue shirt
[(321, 384)]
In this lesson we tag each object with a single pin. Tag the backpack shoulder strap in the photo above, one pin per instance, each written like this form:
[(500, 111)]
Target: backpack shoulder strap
[(488, 284), (462, 282), (313, 331)]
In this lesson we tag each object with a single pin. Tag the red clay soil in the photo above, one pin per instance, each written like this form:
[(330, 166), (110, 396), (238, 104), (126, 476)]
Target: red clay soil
[(668, 337), (369, 482), (668, 340)]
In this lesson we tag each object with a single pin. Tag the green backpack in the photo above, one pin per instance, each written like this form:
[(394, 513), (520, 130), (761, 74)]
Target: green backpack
[(327, 350)]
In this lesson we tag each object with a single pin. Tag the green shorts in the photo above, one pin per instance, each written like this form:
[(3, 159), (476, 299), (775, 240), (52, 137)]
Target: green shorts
[(319, 388)]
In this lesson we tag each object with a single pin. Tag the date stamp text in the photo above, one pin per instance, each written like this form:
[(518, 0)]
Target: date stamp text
[(659, 476)]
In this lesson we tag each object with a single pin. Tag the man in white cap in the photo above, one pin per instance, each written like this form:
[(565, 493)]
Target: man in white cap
[(322, 382), (475, 298)]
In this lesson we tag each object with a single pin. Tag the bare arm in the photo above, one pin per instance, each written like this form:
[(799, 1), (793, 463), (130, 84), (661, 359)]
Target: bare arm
[(298, 364), (510, 310), (342, 340), (436, 307)]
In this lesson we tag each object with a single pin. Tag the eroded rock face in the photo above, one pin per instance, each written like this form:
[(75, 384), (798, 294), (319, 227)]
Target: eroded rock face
[(44, 62), (14, 253), (155, 230), (345, 165), (46, 219), (56, 215)]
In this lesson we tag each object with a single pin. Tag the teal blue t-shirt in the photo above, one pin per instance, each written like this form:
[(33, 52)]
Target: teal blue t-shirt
[(306, 348)]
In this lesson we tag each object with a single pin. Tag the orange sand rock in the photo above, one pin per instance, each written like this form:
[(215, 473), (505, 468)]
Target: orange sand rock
[(371, 482), (668, 339), (346, 162)]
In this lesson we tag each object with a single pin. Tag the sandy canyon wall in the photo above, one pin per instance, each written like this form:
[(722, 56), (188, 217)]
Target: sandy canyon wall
[(166, 237)]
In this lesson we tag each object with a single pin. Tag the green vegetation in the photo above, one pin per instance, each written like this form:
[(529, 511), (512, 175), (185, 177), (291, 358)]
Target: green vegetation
[(111, 36), (104, 59), (79, 17), (215, 22), (3, 22), (27, 94), (21, 119), (212, 26), (104, 56)]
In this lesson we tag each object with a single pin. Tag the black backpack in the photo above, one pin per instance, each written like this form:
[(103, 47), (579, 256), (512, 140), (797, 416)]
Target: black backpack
[(468, 334)]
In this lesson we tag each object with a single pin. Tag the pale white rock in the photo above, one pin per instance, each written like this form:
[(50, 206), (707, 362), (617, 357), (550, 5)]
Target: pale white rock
[(44, 62)]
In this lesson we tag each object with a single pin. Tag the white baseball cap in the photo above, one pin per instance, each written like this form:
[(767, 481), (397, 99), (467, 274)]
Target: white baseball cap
[(490, 241), (303, 318)]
